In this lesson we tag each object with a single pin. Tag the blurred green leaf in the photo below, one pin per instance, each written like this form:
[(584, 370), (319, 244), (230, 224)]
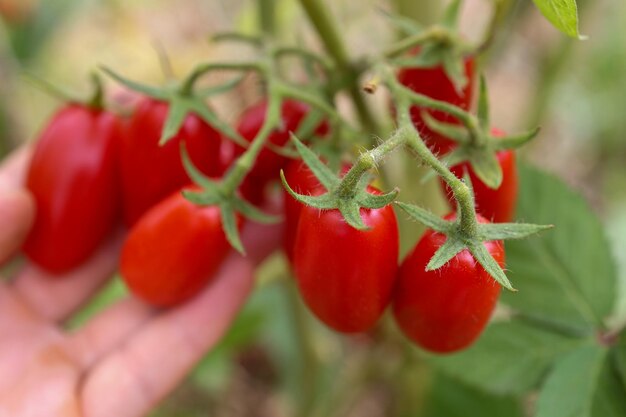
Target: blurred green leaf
[(563, 14), (451, 398), (582, 384), (114, 290), (509, 358), (566, 275)]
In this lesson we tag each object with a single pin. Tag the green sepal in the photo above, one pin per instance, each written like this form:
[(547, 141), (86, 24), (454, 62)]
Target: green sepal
[(154, 92), (404, 24), (194, 173), (486, 167), (220, 89), (451, 15), (309, 124), (484, 258), (198, 106), (177, 110), (483, 105), (229, 225), (513, 141), (351, 212), (202, 198), (502, 231), (447, 251), (253, 213), (430, 55), (372, 201), (426, 217), (324, 201), (310, 97), (324, 174), (454, 66), (451, 131)]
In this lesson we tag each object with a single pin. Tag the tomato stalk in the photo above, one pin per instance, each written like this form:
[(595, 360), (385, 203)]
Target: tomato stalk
[(327, 29)]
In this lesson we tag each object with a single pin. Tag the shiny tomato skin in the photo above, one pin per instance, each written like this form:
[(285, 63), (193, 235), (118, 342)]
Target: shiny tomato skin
[(173, 251), (445, 310), (151, 172), (346, 276), (73, 178), (268, 163), (434, 82), (496, 205)]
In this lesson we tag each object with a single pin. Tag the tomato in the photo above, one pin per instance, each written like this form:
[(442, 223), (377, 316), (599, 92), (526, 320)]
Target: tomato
[(73, 178), (435, 83), (496, 205), (173, 251), (346, 276), (302, 180), (268, 163), (445, 310), (151, 172)]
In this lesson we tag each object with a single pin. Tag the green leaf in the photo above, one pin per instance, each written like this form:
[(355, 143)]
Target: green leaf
[(482, 255), (581, 384), (324, 174), (177, 110), (447, 251), (567, 275), (451, 398), (503, 231), (487, 168), (425, 217), (563, 14), (483, 105), (509, 358)]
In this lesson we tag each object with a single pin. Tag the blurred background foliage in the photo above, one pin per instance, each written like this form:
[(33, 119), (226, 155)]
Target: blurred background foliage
[(576, 91)]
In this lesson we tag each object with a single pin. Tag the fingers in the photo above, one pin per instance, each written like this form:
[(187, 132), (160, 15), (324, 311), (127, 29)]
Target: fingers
[(152, 363), (108, 330), (56, 297), (17, 207)]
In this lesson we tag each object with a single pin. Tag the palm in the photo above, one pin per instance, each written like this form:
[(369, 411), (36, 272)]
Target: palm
[(126, 358)]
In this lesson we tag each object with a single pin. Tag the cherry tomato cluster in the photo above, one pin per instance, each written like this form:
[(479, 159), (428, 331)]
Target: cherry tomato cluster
[(93, 171)]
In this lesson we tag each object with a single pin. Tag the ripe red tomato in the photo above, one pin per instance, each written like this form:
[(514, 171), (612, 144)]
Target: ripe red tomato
[(173, 251), (346, 276), (73, 178), (445, 310), (434, 82), (268, 163), (151, 172), (496, 205)]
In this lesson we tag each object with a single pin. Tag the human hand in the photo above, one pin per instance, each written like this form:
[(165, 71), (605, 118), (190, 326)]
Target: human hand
[(128, 357)]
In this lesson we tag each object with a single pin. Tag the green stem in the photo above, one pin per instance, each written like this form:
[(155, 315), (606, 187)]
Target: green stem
[(267, 17), (326, 27), (348, 186)]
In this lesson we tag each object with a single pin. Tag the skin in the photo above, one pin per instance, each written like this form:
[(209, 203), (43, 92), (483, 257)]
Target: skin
[(434, 82), (151, 172), (346, 276), (120, 363), (445, 310), (75, 157)]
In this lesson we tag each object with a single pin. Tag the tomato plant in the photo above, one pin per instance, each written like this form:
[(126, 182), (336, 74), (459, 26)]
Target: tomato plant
[(173, 251), (445, 310), (343, 291), (149, 171), (73, 178)]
